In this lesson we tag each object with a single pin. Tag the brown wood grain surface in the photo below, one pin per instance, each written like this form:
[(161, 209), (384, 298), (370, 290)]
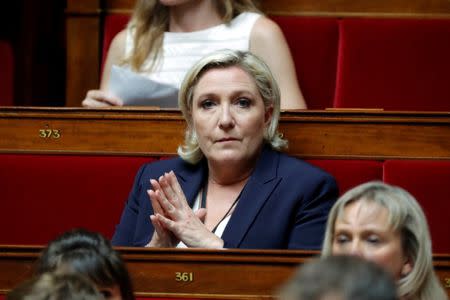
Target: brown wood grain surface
[(347, 8), (138, 131), (310, 7), (227, 274)]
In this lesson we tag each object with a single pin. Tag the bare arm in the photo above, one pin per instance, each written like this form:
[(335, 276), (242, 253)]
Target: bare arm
[(116, 53), (101, 97), (279, 59)]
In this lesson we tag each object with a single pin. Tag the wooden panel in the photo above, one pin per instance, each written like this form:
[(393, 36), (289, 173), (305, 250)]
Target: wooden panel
[(83, 44), (229, 274), (311, 134), (119, 6), (332, 7), (83, 6), (346, 8)]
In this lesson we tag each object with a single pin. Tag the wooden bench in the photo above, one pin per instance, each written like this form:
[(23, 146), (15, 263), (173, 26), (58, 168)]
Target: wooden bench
[(229, 274)]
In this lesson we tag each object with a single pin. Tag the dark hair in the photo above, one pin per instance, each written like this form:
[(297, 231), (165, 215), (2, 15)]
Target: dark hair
[(90, 254), (53, 286), (348, 277)]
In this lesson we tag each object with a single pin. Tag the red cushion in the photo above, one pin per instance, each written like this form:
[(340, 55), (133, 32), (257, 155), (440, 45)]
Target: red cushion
[(114, 23), (6, 74), (394, 64), (429, 182), (314, 44), (43, 195), (350, 173)]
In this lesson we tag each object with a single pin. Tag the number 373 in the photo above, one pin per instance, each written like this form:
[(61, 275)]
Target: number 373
[(49, 133)]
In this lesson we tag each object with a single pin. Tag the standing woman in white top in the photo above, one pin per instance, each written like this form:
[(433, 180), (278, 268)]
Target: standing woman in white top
[(164, 38)]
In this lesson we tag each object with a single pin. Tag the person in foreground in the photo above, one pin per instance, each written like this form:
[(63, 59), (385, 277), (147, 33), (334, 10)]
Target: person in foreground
[(90, 254), (55, 286), (165, 38), (230, 187), (339, 278), (385, 224)]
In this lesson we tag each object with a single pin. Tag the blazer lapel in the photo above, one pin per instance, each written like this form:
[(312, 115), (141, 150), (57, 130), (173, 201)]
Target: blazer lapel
[(191, 180), (257, 190)]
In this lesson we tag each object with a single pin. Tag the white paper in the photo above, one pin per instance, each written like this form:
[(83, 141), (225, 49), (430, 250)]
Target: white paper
[(135, 89)]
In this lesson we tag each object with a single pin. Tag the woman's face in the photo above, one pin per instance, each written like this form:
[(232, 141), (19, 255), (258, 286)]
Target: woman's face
[(229, 116), (363, 230)]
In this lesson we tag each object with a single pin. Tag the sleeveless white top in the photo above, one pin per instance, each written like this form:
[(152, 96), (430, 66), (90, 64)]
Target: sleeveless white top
[(181, 50)]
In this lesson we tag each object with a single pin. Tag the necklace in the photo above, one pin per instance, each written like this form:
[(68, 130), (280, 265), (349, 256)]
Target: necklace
[(203, 205)]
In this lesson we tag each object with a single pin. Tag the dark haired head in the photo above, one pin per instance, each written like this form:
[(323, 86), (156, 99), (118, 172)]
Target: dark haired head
[(90, 254), (53, 286), (340, 277)]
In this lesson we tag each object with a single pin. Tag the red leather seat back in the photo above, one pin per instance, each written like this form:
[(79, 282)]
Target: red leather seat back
[(350, 173), (394, 64), (314, 45), (45, 195), (429, 183)]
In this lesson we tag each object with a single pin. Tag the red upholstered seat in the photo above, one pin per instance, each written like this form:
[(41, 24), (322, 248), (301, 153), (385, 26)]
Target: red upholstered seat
[(314, 45), (44, 195), (395, 64), (6, 74), (350, 173), (429, 182)]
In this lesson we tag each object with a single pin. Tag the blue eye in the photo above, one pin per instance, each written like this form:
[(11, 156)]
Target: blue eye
[(373, 239), (207, 104), (243, 102), (341, 238)]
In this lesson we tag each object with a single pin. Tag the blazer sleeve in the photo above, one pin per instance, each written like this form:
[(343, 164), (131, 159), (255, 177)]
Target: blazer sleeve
[(311, 217), (125, 230)]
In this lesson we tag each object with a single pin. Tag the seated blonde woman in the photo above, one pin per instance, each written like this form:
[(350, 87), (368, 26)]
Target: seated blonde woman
[(386, 225), (231, 187)]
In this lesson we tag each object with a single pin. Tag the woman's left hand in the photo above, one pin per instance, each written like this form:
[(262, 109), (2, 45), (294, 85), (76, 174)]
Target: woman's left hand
[(180, 219)]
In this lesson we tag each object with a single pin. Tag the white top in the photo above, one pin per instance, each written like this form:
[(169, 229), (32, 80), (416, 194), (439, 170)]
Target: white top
[(181, 50), (220, 227)]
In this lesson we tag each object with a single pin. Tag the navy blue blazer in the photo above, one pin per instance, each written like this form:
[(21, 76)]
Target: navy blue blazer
[(284, 204)]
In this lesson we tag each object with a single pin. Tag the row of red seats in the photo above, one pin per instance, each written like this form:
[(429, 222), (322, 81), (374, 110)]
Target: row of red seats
[(45, 195), (394, 64)]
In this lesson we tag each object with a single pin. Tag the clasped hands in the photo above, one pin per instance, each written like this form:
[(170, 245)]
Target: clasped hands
[(173, 218)]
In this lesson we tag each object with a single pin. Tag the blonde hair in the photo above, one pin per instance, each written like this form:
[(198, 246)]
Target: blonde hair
[(150, 19), (406, 217), (264, 81)]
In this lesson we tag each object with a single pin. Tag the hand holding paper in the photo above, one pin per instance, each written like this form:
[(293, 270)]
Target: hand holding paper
[(135, 89)]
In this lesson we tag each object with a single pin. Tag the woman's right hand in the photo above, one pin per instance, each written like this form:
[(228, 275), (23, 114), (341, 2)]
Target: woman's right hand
[(162, 237), (99, 98)]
